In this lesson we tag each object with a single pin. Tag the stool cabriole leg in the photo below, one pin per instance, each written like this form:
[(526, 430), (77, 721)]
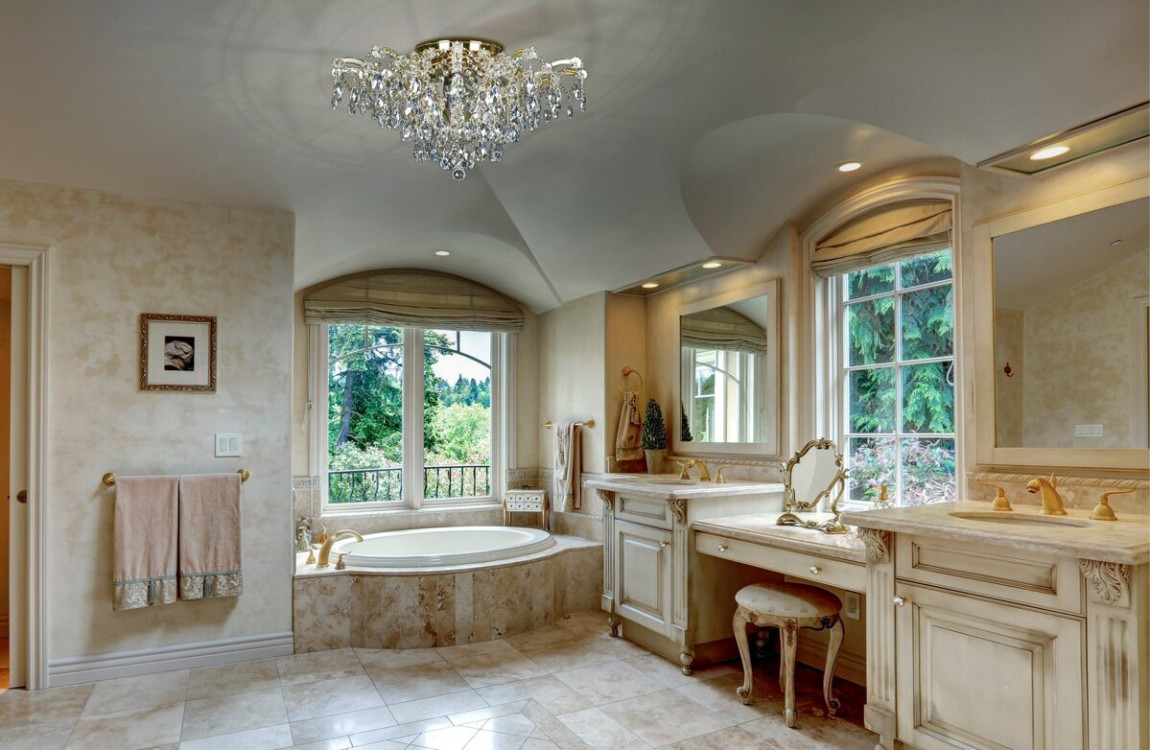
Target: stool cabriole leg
[(835, 642), (739, 624), (790, 641)]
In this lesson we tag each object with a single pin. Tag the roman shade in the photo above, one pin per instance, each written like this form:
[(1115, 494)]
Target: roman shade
[(724, 329), (890, 233), (413, 299)]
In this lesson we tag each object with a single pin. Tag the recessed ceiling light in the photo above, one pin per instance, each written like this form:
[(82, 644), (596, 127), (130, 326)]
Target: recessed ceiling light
[(443, 253), (650, 285), (712, 264), (1049, 153), (849, 166)]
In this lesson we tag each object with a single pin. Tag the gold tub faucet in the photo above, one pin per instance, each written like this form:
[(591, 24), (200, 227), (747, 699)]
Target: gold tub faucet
[(1051, 500), (325, 550)]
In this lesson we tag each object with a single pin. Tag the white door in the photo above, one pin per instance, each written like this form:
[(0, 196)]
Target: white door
[(18, 484)]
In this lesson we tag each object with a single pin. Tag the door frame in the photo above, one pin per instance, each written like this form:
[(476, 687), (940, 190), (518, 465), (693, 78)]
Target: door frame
[(35, 259)]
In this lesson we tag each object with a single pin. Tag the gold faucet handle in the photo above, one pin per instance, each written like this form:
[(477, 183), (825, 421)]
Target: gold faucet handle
[(1103, 511), (684, 474), (704, 475), (1000, 501), (719, 475), (339, 562)]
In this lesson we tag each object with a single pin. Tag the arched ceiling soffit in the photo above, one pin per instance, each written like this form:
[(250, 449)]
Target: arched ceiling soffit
[(491, 261), (742, 181)]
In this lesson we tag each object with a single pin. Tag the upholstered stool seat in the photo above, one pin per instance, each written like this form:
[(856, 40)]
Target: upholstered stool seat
[(788, 607)]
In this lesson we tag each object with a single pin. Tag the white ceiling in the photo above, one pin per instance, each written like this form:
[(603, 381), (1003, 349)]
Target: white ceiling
[(709, 123)]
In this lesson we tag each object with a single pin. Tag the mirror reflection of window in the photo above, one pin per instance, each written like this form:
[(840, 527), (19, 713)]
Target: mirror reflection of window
[(723, 353)]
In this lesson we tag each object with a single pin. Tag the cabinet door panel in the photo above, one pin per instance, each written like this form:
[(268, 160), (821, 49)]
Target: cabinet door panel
[(643, 583), (978, 674)]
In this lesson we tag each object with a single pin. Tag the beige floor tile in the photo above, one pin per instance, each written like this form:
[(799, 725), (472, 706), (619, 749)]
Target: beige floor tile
[(549, 727), (421, 681), (23, 707), (548, 691), (607, 683), (516, 724), (485, 740), (238, 712), (440, 705), (327, 697), (548, 635), (534, 743), (385, 745), (233, 678), (342, 724), (470, 649), (318, 665), (669, 673), (51, 736), (496, 667), (126, 693), (480, 715), (719, 697), (810, 733), (141, 727), (567, 655), (410, 729), (335, 743), (379, 659), (264, 738), (573, 745), (597, 729), (448, 738), (731, 738), (662, 718)]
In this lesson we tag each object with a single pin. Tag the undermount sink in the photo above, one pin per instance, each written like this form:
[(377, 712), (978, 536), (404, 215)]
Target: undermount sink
[(1011, 518), (675, 481)]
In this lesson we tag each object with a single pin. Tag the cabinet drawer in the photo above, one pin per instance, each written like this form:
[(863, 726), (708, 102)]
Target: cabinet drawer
[(649, 511), (1017, 576), (846, 575)]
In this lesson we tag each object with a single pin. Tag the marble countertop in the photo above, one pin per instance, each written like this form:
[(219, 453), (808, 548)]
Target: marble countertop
[(670, 487), (1125, 541), (761, 528)]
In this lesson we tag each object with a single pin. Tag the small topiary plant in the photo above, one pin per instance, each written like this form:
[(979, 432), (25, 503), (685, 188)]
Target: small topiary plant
[(654, 428), (684, 426)]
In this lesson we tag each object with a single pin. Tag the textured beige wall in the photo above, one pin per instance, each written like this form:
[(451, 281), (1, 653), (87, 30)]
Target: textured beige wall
[(5, 425), (1081, 360), (626, 347), (1008, 391), (572, 360), (113, 257)]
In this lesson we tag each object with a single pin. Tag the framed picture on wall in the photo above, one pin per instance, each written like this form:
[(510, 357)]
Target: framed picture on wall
[(177, 353)]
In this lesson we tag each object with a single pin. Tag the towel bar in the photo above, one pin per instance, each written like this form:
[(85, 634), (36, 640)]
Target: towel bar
[(589, 423), (109, 479)]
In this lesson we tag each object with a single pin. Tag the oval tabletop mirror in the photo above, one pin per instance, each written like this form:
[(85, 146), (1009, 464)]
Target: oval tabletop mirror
[(814, 478)]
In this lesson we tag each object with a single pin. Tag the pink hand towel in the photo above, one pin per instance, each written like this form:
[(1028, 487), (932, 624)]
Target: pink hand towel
[(211, 563), (144, 542)]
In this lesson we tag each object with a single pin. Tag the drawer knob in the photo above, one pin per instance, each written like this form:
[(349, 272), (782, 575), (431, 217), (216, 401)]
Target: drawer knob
[(664, 545), (815, 570), (722, 548), (898, 601)]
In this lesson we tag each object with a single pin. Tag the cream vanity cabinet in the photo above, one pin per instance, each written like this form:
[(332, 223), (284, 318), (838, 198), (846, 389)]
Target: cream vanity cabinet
[(653, 580), (1011, 644)]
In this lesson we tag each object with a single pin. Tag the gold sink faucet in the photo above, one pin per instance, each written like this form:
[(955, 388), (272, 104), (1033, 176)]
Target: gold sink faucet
[(686, 467), (1051, 500), (325, 550)]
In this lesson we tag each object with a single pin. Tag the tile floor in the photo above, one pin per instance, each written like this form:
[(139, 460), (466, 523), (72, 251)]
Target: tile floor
[(564, 686)]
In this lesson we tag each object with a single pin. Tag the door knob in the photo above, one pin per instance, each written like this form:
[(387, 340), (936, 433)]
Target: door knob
[(22, 496)]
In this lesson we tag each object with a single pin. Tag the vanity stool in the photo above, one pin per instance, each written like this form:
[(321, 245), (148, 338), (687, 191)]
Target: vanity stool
[(788, 607)]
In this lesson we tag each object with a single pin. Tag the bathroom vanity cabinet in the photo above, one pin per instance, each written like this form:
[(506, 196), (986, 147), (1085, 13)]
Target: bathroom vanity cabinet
[(1000, 634), (652, 577)]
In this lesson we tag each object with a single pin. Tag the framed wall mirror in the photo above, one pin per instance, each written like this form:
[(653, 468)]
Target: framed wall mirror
[(728, 383), (1062, 311)]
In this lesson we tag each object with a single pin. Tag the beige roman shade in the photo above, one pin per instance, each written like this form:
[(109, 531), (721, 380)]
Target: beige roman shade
[(724, 329), (890, 233), (413, 299)]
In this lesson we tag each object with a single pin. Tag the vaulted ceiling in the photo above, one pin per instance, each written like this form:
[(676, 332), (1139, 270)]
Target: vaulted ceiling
[(710, 123)]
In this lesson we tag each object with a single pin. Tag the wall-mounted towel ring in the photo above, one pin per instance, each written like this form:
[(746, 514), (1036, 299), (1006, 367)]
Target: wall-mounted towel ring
[(628, 371), (109, 479)]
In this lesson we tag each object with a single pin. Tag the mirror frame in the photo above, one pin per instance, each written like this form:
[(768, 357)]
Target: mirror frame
[(793, 506), (987, 450), (769, 447)]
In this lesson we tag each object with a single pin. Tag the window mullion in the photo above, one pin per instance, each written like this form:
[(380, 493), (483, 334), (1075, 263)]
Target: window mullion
[(413, 417)]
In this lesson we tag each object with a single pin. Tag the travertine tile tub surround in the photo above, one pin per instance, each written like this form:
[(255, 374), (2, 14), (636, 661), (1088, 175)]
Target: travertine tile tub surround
[(382, 608)]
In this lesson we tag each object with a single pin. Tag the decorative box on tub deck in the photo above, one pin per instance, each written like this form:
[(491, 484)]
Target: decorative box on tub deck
[(526, 501)]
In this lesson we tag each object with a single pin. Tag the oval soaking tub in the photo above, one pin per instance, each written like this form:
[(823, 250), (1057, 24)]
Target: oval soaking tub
[(438, 547)]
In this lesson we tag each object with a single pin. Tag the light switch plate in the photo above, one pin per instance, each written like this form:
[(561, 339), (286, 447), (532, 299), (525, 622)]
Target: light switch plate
[(229, 444)]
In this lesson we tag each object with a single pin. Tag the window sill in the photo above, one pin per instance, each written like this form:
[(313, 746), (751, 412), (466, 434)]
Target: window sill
[(398, 512)]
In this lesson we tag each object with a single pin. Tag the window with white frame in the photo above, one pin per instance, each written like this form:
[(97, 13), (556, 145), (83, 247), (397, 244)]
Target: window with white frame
[(411, 415), (897, 378)]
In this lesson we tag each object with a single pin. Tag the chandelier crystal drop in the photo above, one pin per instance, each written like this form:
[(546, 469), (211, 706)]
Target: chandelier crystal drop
[(459, 102)]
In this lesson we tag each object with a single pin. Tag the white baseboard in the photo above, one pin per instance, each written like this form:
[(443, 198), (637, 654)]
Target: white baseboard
[(850, 666), (73, 670), (3, 626)]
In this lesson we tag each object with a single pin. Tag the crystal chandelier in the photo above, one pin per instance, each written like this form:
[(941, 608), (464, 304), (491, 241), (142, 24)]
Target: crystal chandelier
[(459, 101)]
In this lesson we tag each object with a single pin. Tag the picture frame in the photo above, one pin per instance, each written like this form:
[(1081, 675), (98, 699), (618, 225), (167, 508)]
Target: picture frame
[(177, 352)]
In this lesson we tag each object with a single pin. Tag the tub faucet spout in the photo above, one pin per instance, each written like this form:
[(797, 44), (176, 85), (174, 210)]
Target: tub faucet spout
[(325, 550), (1051, 500)]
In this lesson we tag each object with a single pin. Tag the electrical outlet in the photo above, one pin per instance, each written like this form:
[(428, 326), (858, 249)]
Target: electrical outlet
[(851, 605), (1088, 430), (228, 444)]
